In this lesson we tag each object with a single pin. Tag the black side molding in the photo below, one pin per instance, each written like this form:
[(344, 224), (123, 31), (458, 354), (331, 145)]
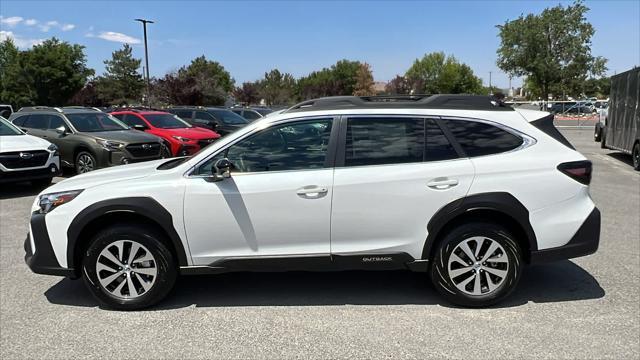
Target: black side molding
[(546, 125), (501, 202), (144, 206), (584, 242)]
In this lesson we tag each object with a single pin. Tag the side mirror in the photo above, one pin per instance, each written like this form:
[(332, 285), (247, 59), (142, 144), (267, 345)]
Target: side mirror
[(140, 127), (221, 169), (61, 130)]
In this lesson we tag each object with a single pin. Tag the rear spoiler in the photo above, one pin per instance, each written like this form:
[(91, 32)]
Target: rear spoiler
[(545, 124)]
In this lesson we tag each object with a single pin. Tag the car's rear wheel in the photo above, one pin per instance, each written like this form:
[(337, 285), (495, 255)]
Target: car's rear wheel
[(476, 264), (85, 162), (597, 134), (128, 267)]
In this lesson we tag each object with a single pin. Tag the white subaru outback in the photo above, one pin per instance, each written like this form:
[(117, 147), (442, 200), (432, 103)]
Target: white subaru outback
[(459, 187)]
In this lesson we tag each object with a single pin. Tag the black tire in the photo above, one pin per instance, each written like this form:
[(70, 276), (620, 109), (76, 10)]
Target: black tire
[(150, 239), (165, 152), (635, 155), (603, 139), (597, 135), (439, 266), (41, 183), (85, 162)]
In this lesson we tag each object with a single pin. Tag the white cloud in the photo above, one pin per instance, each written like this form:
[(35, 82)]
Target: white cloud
[(116, 37), (67, 27), (30, 22), (10, 21), (18, 40)]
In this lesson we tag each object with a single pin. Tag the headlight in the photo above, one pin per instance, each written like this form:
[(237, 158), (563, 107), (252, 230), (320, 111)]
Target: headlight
[(110, 145), (48, 202), (54, 149), (180, 138)]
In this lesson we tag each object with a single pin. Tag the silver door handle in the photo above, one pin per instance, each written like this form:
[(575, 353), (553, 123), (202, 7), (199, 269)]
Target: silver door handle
[(312, 190), (442, 184)]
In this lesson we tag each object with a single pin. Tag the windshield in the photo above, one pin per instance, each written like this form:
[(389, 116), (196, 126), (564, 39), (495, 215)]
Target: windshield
[(166, 121), (8, 129), (92, 122), (228, 117)]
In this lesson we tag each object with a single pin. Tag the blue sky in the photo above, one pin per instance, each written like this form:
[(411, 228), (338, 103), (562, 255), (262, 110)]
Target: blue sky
[(249, 38)]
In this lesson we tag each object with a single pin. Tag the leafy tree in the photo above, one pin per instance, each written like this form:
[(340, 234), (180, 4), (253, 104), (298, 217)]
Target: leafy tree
[(276, 87), (121, 83), (88, 96), (600, 87), (399, 85), (208, 80), (553, 49), (339, 79), (56, 71), (364, 81), (247, 94), (15, 84), (437, 73)]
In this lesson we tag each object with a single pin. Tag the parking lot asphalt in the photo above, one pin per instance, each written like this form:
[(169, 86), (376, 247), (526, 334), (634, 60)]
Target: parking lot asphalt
[(583, 308)]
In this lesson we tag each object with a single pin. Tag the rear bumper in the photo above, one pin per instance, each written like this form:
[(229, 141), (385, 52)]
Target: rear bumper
[(584, 242), (26, 175), (42, 260)]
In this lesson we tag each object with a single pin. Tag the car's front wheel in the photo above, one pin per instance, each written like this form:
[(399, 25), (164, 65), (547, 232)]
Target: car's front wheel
[(85, 162), (476, 264), (128, 267)]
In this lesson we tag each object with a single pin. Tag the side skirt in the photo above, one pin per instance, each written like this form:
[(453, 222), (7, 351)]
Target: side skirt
[(374, 262)]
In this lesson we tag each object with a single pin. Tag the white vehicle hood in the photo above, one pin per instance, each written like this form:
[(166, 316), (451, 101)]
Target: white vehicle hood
[(9, 143), (108, 175)]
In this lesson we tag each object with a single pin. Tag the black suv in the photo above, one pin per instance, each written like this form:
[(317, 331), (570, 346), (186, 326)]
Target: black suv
[(222, 121), (88, 138)]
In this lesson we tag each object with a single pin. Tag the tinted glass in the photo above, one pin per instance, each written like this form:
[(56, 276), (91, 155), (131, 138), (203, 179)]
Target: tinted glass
[(92, 122), (297, 146), (166, 121), (203, 115), (264, 112), (479, 139), (185, 114), (250, 115), (20, 120), (228, 117), (376, 141), (8, 129), (437, 147), (37, 121), (131, 120), (55, 122)]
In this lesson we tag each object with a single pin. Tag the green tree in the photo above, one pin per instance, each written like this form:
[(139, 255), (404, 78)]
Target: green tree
[(56, 71), (437, 73), (121, 82), (277, 88), (339, 79), (208, 81), (553, 49), (15, 84), (399, 85), (364, 81), (247, 94)]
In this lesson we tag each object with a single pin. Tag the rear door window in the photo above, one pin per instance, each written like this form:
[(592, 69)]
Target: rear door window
[(478, 139), (384, 140), (37, 121)]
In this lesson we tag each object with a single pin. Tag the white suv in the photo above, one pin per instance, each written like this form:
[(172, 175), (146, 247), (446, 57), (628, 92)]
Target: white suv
[(26, 158), (459, 187)]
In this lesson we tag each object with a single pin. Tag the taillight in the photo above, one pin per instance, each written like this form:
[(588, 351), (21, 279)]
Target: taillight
[(579, 171)]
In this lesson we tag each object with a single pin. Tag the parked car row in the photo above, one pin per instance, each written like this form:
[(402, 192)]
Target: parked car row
[(87, 139)]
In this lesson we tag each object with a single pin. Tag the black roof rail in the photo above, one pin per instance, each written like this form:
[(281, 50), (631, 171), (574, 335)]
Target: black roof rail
[(185, 107), (440, 101), (40, 108), (136, 109), (76, 107)]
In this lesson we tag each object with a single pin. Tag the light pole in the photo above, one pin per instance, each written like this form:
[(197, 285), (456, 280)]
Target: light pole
[(146, 57)]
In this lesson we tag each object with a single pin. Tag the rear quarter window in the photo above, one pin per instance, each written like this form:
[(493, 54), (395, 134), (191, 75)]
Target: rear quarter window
[(479, 139)]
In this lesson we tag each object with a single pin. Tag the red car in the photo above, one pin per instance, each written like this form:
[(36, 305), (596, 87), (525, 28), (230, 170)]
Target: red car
[(181, 137)]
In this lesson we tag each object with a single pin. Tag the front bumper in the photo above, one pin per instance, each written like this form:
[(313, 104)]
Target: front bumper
[(25, 175), (584, 242), (42, 260)]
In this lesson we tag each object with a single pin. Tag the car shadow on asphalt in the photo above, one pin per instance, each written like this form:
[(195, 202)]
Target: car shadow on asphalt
[(18, 190), (622, 157), (555, 282)]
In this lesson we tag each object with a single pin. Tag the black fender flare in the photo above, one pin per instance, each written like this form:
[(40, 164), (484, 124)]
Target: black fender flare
[(144, 206), (502, 202)]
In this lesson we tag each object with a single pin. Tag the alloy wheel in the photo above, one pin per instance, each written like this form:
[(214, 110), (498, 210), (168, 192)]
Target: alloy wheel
[(85, 164), (126, 269), (478, 265)]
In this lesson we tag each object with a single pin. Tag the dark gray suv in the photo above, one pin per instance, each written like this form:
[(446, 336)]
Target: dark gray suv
[(88, 138)]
